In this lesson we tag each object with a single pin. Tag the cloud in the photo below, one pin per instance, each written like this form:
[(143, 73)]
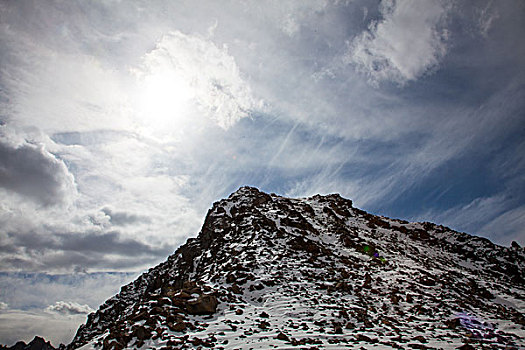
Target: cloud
[(155, 218), (120, 218), (23, 325), (69, 308), (404, 45), (30, 294), (31, 171), (506, 227), (185, 69), (157, 114), (107, 242), (490, 217), (26, 290), (54, 250), (486, 17)]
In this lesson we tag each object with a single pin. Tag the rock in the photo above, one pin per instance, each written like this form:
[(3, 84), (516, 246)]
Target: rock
[(282, 336), (189, 285), (420, 338), (264, 325), (177, 327), (350, 325), (140, 316), (323, 280), (466, 347), (394, 299), (343, 314), (230, 278), (182, 295), (362, 337), (38, 343), (141, 333), (368, 281), (157, 310), (205, 304), (453, 323), (236, 289), (427, 281)]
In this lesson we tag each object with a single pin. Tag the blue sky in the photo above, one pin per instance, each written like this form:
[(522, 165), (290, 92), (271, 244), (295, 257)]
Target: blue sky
[(122, 122)]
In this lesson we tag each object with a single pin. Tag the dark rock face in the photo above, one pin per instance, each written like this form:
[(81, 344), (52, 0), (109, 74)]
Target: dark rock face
[(37, 343), (268, 271)]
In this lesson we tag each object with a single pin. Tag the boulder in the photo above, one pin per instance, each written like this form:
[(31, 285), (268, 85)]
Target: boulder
[(204, 305), (282, 336), (177, 327)]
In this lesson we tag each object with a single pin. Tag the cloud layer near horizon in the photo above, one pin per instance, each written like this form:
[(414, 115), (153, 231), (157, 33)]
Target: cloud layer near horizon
[(51, 305), (123, 122)]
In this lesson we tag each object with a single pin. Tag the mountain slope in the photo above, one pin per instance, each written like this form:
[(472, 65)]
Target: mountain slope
[(272, 272)]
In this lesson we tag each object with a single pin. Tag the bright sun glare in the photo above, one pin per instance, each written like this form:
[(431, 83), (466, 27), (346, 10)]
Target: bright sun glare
[(164, 100)]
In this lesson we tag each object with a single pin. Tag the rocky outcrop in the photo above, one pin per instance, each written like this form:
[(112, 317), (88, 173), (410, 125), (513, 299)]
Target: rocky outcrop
[(269, 271), (38, 343)]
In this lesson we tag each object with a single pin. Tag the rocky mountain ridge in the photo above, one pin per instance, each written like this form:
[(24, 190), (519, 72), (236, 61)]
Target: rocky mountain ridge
[(38, 343), (273, 272)]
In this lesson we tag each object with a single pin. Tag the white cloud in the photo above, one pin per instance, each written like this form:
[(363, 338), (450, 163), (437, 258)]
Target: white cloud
[(16, 325), (292, 14), (56, 91), (69, 308), (184, 69), (404, 45)]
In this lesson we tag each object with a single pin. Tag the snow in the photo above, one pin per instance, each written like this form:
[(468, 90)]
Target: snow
[(329, 294)]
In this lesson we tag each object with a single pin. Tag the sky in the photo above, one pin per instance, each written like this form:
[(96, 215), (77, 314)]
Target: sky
[(121, 122)]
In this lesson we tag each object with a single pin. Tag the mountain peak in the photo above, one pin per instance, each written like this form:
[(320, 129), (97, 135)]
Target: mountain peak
[(38, 343), (270, 271)]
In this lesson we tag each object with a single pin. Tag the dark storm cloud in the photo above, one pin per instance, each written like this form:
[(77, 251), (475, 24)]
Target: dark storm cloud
[(34, 173)]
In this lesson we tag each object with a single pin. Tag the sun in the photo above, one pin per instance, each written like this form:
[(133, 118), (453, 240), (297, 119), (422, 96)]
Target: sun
[(163, 99)]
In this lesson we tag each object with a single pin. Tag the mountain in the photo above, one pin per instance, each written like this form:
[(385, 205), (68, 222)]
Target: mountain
[(37, 343), (316, 273)]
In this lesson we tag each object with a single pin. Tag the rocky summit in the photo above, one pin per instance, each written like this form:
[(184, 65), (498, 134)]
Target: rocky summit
[(316, 273), (38, 343)]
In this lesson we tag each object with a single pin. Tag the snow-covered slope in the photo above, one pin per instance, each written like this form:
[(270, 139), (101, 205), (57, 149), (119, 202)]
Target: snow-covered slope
[(272, 272)]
